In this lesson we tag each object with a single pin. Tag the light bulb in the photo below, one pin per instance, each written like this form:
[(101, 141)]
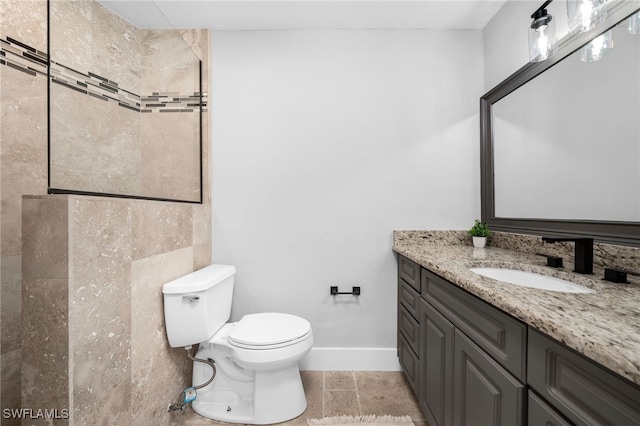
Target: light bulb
[(634, 24), (542, 39), (585, 14), (597, 48), (543, 47)]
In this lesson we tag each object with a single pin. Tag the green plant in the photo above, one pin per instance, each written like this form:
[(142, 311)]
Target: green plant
[(479, 229)]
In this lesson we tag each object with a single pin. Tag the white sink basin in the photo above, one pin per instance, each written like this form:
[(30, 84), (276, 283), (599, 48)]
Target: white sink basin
[(531, 279)]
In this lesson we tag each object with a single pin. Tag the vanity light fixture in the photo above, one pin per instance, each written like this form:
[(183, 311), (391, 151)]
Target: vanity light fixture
[(585, 14), (542, 35), (634, 23), (597, 48)]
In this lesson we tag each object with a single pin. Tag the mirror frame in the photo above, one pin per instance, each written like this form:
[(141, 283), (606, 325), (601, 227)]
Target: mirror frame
[(613, 232)]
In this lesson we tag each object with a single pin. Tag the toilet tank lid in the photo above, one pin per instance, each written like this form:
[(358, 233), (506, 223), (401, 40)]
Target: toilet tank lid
[(200, 280)]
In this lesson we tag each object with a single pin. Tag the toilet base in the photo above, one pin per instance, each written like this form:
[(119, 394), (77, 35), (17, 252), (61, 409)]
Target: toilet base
[(262, 397)]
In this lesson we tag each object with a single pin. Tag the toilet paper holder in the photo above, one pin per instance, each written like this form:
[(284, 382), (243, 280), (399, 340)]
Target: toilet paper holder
[(355, 292)]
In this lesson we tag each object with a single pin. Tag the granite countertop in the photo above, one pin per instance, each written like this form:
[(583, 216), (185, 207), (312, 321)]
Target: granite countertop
[(603, 326)]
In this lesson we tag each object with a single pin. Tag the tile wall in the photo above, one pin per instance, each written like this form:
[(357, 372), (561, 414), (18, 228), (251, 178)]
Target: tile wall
[(94, 339), (120, 97), (80, 303), (23, 170)]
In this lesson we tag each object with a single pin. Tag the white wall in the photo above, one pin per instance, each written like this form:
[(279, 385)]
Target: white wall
[(323, 143)]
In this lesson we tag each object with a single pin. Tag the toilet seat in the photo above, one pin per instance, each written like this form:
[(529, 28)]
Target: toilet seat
[(268, 331), (292, 345)]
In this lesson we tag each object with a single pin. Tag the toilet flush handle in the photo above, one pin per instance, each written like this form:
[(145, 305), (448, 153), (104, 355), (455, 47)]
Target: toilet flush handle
[(191, 298)]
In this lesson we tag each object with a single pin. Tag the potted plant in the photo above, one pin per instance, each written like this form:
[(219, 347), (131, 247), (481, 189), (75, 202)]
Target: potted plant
[(479, 231)]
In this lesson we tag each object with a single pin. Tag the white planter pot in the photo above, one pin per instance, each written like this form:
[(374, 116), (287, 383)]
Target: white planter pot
[(479, 241)]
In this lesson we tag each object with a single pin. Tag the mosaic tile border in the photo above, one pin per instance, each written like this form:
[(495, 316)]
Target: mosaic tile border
[(27, 59), (23, 57)]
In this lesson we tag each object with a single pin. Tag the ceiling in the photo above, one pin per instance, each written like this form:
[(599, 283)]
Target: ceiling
[(306, 14)]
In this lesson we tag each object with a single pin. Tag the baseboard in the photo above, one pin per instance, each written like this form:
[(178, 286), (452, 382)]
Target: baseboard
[(347, 359)]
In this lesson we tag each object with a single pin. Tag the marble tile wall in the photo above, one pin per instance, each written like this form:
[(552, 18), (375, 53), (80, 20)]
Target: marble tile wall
[(23, 170), (161, 131), (93, 273), (158, 144), (125, 109), (45, 304), (171, 67), (86, 135), (74, 286)]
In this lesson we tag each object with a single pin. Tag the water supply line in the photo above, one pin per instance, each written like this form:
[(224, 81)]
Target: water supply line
[(207, 361), (187, 395)]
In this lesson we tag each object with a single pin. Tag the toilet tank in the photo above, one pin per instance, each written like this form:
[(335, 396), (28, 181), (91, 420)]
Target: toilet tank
[(198, 304)]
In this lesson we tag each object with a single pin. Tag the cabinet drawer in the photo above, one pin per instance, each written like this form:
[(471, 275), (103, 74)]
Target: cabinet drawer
[(409, 271), (409, 328), (540, 413), (409, 362), (500, 335), (409, 298), (582, 391)]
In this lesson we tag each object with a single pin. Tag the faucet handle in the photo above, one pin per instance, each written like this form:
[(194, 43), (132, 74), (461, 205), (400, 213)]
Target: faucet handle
[(615, 275), (553, 261)]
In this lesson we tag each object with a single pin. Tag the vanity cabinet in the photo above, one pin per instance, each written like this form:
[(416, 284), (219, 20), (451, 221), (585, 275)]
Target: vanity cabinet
[(458, 381), (471, 363)]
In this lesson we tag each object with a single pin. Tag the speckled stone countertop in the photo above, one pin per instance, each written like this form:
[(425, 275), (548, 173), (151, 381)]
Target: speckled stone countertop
[(604, 326)]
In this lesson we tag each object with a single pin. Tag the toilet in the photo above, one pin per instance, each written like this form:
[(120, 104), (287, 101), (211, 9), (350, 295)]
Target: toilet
[(257, 380)]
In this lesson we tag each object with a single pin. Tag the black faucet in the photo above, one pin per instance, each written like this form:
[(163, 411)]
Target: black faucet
[(583, 258)]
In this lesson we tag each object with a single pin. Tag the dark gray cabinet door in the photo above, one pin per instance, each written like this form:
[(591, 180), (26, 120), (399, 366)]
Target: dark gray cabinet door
[(435, 392), (485, 394)]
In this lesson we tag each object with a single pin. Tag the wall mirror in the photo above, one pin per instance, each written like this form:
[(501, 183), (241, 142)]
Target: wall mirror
[(125, 107), (561, 141)]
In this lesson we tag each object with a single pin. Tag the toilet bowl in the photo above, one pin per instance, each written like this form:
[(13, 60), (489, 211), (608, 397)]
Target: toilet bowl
[(257, 380)]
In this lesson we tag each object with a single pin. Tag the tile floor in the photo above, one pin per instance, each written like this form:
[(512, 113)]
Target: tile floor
[(333, 393)]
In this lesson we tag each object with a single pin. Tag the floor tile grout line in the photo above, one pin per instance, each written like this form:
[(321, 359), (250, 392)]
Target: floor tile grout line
[(324, 414), (355, 384), (328, 378)]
